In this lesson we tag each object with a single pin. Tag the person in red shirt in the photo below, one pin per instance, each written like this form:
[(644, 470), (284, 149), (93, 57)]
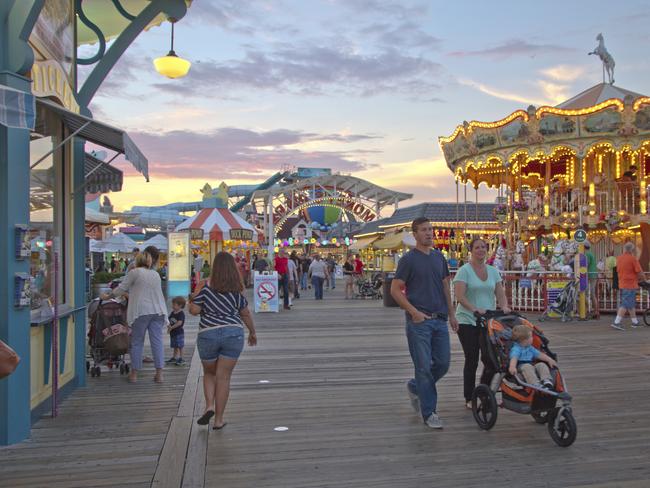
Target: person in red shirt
[(282, 268), (629, 274), (358, 265)]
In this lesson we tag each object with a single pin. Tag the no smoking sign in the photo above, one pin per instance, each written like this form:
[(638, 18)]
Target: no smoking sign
[(266, 291)]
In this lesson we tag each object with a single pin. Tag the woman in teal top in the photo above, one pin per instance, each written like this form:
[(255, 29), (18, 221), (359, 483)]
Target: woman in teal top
[(477, 286)]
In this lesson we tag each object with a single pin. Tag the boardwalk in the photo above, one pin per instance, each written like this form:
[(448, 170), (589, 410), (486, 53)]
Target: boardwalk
[(333, 373)]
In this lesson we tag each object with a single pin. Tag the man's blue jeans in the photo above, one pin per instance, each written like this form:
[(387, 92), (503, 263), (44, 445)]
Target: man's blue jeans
[(317, 283), (303, 280), (430, 351)]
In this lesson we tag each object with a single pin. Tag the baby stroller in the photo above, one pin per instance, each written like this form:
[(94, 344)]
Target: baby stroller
[(563, 307), (551, 406), (370, 288), (108, 336)]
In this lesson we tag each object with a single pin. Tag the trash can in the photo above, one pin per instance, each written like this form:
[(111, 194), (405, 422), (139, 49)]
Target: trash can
[(389, 301)]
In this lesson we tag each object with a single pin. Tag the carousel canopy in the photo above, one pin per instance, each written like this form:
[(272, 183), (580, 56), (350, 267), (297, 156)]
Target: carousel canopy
[(220, 224), (597, 94), (525, 142)]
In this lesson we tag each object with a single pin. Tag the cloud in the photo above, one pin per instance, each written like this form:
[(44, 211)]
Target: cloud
[(241, 153), (514, 47), (407, 34), (245, 18), (554, 92), (505, 95), (563, 72), (315, 71), (386, 8)]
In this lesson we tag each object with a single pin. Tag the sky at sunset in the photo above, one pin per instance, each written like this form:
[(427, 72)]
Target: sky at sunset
[(364, 87)]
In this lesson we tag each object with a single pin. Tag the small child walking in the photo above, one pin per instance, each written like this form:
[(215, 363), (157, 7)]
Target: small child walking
[(522, 355), (175, 329)]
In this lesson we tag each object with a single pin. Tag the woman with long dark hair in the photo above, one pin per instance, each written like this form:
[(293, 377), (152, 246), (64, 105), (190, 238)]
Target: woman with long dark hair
[(224, 313), (147, 311), (478, 287)]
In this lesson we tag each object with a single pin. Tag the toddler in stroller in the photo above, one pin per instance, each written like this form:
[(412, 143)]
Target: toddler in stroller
[(522, 355), (550, 404)]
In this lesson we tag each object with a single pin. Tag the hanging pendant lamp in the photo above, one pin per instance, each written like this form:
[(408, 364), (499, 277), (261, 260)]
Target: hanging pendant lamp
[(171, 65)]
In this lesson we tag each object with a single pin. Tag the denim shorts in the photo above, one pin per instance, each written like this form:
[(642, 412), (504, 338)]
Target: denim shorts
[(628, 298), (177, 341), (220, 342)]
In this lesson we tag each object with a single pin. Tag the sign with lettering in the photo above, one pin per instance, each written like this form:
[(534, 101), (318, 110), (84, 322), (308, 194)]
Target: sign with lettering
[(196, 234), (241, 235), (580, 236)]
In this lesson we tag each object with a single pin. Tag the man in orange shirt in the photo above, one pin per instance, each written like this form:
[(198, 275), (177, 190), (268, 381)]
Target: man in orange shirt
[(629, 274)]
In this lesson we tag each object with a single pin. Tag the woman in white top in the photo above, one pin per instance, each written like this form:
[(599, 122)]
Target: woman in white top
[(147, 310)]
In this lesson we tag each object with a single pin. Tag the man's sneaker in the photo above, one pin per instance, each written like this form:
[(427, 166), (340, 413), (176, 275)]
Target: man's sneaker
[(415, 400), (636, 324), (180, 362), (171, 360), (617, 326), (434, 421)]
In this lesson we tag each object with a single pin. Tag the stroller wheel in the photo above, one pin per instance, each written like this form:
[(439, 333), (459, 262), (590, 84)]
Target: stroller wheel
[(540, 417), (563, 430), (484, 407)]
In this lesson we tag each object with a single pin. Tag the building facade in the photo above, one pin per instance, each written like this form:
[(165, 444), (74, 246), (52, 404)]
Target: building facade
[(44, 175)]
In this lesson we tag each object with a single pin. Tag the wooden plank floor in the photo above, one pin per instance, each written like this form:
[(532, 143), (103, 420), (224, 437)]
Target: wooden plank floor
[(109, 434), (334, 373)]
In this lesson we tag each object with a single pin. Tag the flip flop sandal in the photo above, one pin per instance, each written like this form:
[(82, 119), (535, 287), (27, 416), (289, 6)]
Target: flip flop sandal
[(205, 418), (219, 428)]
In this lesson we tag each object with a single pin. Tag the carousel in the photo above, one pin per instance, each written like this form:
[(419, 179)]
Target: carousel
[(584, 164)]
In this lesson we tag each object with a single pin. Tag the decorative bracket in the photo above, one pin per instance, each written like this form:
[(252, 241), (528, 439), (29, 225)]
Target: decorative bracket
[(172, 8)]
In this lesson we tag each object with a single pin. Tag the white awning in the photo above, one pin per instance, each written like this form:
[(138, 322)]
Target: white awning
[(99, 133), (17, 108)]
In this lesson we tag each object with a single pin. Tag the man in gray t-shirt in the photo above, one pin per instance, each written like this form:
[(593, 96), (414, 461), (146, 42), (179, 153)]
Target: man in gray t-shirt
[(424, 275)]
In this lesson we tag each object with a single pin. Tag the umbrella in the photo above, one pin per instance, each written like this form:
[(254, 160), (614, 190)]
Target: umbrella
[(159, 241)]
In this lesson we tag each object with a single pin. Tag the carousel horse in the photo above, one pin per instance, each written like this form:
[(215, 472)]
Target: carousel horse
[(606, 58)]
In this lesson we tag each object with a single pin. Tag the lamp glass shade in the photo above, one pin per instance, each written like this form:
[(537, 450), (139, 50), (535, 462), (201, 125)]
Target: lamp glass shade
[(172, 66)]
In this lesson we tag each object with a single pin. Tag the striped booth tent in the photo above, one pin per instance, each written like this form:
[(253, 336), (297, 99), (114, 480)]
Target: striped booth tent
[(220, 224)]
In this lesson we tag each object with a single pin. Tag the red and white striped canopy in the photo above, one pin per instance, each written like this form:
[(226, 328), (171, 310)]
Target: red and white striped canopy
[(220, 224)]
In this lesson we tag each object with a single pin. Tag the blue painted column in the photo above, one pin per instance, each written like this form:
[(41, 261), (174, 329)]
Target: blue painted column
[(79, 242), (17, 19), (14, 322), (79, 245)]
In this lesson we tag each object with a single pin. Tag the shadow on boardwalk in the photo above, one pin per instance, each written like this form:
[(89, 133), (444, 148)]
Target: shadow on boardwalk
[(334, 373)]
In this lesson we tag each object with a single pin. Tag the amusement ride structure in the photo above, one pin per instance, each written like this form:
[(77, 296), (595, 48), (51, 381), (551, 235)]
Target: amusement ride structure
[(584, 164)]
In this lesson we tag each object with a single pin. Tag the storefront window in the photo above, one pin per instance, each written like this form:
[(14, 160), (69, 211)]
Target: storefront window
[(47, 238)]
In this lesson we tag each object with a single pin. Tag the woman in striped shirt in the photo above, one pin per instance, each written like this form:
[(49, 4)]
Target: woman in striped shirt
[(224, 313)]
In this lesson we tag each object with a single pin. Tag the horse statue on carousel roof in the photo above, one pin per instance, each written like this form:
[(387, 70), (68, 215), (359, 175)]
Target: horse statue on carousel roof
[(606, 58)]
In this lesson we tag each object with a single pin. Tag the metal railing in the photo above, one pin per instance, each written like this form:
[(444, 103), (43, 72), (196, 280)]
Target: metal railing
[(531, 293)]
